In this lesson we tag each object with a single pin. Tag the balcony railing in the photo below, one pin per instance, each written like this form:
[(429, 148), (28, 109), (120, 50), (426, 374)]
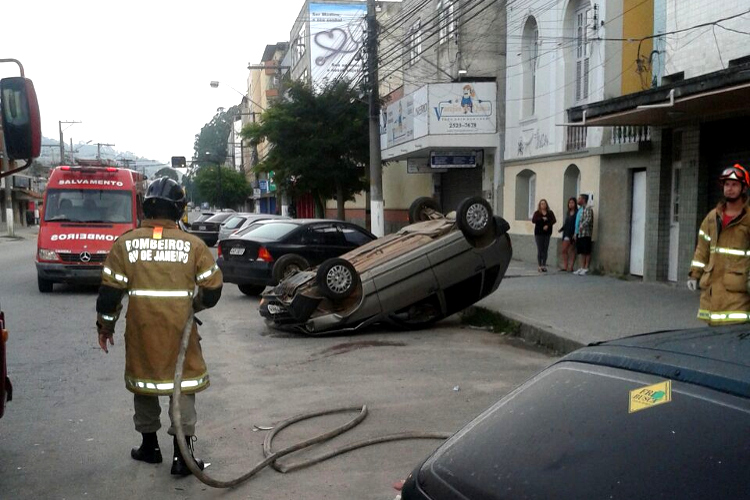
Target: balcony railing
[(630, 134), (575, 138)]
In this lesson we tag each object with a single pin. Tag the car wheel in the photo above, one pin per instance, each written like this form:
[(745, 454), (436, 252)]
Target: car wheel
[(288, 265), (416, 316), (421, 209), (337, 278), (251, 290), (45, 286), (474, 217)]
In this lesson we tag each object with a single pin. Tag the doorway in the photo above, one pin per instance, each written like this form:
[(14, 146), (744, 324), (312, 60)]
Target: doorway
[(638, 223)]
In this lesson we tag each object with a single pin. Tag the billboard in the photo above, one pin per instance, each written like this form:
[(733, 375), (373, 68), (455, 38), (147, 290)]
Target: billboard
[(463, 108), (337, 35), (407, 118)]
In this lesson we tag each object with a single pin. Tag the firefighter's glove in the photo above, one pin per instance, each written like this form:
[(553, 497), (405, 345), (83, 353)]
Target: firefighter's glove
[(105, 335), (692, 284)]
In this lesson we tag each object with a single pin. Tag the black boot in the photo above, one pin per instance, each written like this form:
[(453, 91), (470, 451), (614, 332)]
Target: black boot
[(179, 467), (149, 451)]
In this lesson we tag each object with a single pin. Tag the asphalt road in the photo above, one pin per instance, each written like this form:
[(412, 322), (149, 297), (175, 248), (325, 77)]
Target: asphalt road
[(68, 431)]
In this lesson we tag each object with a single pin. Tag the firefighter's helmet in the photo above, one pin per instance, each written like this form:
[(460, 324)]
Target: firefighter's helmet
[(165, 198), (735, 173)]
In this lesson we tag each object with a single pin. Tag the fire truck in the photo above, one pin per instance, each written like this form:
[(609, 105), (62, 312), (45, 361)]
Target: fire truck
[(86, 207), (20, 141)]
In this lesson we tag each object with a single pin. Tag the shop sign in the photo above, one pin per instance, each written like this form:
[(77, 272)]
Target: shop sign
[(456, 159)]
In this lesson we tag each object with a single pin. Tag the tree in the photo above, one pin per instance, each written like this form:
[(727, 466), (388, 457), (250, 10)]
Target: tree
[(221, 186), (167, 172), (319, 143), (214, 136)]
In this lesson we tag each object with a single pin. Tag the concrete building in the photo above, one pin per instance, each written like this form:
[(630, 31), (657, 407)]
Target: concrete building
[(695, 99)]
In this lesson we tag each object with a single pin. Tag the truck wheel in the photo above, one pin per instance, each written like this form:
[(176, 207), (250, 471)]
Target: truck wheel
[(474, 217), (288, 265), (45, 286), (421, 208), (337, 278), (251, 290)]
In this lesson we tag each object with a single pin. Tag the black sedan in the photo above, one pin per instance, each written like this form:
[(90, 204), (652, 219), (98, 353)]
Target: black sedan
[(268, 251), (208, 229), (664, 415)]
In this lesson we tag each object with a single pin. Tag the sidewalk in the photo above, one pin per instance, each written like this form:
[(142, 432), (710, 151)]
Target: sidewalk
[(563, 311)]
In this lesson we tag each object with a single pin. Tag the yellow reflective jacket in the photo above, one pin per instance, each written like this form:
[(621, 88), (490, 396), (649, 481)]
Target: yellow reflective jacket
[(720, 263), (159, 267)]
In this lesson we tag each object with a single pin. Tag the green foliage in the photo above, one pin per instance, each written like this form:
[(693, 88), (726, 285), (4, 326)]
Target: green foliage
[(214, 136), (167, 172), (223, 187), (320, 141)]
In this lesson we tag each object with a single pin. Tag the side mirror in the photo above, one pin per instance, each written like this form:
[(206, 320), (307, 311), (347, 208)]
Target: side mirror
[(22, 128)]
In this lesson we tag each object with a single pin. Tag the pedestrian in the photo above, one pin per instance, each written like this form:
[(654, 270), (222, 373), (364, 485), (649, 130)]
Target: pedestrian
[(568, 231), (720, 262), (159, 267), (543, 220), (584, 230)]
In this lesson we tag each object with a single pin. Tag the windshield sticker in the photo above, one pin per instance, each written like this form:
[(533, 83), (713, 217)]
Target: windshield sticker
[(651, 395)]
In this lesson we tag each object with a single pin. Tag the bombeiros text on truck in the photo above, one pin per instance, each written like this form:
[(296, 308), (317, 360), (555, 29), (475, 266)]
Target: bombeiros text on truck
[(86, 207), (20, 140)]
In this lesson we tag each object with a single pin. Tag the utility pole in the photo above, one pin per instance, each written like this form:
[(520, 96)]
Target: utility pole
[(377, 223), (62, 141), (99, 150)]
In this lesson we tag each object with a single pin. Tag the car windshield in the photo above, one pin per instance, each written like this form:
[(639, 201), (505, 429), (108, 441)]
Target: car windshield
[(271, 231), (234, 222), (88, 205), (573, 421)]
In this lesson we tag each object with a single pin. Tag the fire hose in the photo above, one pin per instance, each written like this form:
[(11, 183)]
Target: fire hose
[(272, 456)]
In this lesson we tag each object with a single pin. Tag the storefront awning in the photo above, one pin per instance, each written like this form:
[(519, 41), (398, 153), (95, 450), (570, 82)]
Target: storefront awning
[(722, 94)]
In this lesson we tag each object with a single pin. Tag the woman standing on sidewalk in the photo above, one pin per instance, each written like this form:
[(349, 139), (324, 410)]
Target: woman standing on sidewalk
[(543, 220), (568, 235)]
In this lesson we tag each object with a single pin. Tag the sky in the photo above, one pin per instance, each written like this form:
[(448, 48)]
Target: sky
[(137, 73)]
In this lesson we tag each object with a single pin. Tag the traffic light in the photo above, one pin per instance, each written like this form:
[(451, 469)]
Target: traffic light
[(179, 162)]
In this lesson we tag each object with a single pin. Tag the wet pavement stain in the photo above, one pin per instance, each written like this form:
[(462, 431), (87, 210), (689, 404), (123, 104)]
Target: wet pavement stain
[(353, 346)]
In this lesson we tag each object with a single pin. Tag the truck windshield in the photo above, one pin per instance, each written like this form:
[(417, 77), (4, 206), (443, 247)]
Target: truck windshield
[(88, 205)]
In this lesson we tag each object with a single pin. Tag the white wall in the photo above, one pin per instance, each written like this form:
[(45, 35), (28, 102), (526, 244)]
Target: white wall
[(697, 52)]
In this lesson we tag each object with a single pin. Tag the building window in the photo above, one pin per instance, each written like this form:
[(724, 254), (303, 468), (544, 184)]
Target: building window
[(583, 23), (530, 55), (525, 195), (299, 45), (415, 42), (446, 11)]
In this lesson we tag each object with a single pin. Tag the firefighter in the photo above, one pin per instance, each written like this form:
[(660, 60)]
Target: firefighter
[(722, 256), (159, 267)]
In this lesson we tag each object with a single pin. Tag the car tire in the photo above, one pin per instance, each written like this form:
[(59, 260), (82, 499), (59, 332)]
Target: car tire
[(418, 211), (288, 265), (337, 279), (474, 217), (251, 290), (45, 285)]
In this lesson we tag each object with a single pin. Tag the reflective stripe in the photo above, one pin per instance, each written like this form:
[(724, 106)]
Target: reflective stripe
[(731, 251), (704, 235), (728, 316), (108, 318), (208, 273), (695, 263), (152, 386), (161, 293), (118, 277)]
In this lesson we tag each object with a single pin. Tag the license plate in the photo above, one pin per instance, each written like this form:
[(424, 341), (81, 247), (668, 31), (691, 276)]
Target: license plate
[(274, 309), (236, 251), (201, 228)]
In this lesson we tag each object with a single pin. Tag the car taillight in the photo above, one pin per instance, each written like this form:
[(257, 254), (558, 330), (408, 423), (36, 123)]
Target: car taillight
[(218, 250), (264, 255)]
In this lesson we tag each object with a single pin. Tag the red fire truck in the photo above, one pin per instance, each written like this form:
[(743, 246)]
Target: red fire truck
[(86, 207), (20, 139)]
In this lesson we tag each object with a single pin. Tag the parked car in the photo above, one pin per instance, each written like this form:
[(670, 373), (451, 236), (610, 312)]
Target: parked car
[(241, 220), (413, 278), (663, 415), (208, 229), (6, 389), (267, 251)]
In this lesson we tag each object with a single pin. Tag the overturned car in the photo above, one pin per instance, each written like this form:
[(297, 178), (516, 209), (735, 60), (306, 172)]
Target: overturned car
[(435, 267)]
